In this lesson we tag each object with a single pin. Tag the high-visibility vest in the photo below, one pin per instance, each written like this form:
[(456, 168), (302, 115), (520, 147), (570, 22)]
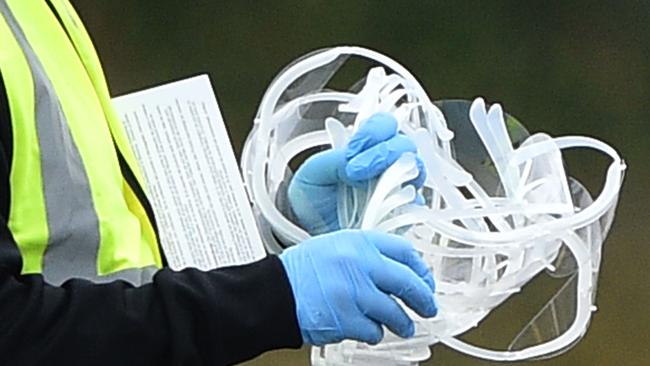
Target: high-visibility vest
[(77, 208)]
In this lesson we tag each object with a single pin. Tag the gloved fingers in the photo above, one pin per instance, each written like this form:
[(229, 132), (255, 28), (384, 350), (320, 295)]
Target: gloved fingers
[(401, 250), (379, 127), (374, 161), (320, 169), (385, 310), (397, 279), (418, 182), (364, 329)]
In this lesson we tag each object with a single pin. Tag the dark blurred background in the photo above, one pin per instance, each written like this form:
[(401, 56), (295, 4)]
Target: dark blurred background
[(564, 67)]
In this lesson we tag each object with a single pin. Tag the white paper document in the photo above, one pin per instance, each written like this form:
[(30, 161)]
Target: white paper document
[(191, 175)]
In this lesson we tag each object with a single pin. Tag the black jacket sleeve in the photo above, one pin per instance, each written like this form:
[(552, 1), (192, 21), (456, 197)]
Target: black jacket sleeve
[(191, 317)]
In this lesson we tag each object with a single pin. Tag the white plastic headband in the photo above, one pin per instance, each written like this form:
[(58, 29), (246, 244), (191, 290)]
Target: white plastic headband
[(605, 200)]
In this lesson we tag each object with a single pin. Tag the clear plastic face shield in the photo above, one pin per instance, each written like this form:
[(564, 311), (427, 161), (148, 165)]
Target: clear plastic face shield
[(499, 208)]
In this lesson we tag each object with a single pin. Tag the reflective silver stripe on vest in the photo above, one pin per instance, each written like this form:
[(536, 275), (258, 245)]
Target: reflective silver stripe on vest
[(73, 241)]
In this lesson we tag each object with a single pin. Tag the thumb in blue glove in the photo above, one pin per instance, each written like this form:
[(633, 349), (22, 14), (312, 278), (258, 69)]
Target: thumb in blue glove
[(371, 150), (343, 285)]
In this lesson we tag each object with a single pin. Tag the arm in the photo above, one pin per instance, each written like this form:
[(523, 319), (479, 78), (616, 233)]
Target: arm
[(191, 317), (188, 317)]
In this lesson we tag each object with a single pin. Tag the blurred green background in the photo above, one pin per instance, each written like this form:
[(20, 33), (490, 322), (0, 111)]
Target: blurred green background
[(565, 67)]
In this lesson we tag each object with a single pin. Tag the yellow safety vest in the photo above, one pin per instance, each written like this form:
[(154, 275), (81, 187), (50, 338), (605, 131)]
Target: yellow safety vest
[(76, 203)]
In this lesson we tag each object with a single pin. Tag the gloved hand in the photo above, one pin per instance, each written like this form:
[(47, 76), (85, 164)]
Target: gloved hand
[(313, 190), (342, 281)]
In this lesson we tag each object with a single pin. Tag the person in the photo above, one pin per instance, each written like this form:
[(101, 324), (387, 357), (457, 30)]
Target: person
[(82, 277)]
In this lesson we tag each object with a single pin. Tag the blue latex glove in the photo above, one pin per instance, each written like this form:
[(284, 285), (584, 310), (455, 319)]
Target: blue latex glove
[(342, 281), (313, 190)]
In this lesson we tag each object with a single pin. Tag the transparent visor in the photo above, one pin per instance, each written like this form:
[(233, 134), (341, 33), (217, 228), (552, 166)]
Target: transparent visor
[(497, 206)]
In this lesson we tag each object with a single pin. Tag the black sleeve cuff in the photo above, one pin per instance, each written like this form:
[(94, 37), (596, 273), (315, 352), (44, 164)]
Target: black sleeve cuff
[(250, 309)]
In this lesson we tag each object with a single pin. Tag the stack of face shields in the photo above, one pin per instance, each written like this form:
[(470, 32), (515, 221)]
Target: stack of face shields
[(499, 207)]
